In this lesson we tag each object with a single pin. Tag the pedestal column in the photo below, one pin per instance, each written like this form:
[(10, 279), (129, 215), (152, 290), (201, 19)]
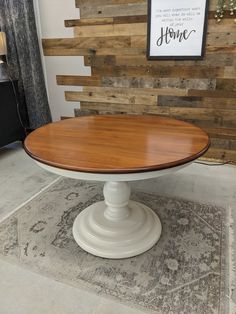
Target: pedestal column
[(117, 227)]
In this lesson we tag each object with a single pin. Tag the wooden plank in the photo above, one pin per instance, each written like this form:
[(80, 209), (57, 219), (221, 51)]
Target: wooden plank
[(111, 30), (213, 94), (221, 154), (161, 71), (106, 2), (124, 108), (150, 82), (109, 107), (107, 21), (65, 117), (219, 103), (229, 120), (226, 84), (175, 101), (197, 102), (209, 60), (117, 51), (138, 91), (130, 19), (85, 112), (223, 133), (220, 143), (86, 42), (75, 80), (139, 60), (101, 61), (221, 49), (230, 71), (111, 97), (203, 114), (94, 51), (232, 144), (221, 39), (214, 122), (139, 41), (87, 22), (223, 143), (226, 25), (223, 118), (68, 52), (111, 10)]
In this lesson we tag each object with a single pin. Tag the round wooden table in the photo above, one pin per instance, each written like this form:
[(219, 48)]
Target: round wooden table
[(116, 149)]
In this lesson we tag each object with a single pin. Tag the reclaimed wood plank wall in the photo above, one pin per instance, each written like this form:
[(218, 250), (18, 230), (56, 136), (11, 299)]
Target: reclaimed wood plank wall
[(112, 34)]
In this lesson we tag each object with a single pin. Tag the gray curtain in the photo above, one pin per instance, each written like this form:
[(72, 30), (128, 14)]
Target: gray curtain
[(17, 19)]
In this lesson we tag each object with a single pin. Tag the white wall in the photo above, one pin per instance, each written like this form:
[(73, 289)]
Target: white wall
[(50, 16)]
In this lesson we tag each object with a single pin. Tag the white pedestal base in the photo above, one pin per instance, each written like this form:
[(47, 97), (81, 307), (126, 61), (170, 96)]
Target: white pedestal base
[(117, 227)]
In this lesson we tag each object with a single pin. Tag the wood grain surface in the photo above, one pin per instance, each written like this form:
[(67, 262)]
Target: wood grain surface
[(117, 143)]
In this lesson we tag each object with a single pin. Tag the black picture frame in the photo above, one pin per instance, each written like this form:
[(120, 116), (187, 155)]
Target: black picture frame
[(168, 56)]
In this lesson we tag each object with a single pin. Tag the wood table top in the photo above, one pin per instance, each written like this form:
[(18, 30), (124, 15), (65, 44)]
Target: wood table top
[(117, 143)]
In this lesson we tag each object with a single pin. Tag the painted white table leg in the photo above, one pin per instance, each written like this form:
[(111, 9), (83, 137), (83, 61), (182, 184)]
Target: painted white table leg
[(117, 227)]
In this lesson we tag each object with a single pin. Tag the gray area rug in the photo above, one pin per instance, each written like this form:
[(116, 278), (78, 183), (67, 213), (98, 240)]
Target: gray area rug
[(185, 272)]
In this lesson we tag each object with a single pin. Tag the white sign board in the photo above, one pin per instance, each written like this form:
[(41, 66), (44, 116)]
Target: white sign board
[(176, 29)]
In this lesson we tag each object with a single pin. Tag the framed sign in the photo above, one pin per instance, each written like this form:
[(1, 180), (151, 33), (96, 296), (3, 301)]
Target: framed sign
[(176, 29)]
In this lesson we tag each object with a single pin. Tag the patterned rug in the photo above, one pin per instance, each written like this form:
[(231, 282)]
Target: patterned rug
[(185, 272)]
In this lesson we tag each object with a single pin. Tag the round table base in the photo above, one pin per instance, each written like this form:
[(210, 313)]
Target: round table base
[(128, 236)]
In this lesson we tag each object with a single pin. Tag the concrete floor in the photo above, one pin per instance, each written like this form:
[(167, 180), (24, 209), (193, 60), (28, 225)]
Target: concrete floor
[(24, 292)]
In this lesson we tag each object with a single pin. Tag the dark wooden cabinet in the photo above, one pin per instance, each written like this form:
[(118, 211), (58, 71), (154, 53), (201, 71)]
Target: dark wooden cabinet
[(11, 129)]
